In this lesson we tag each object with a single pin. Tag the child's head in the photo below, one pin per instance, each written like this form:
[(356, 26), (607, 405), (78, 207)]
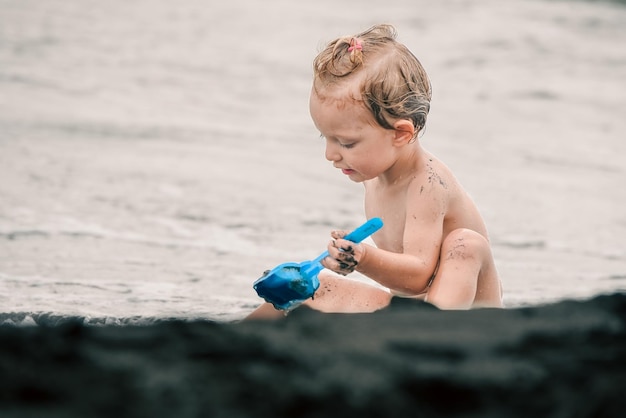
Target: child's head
[(380, 72)]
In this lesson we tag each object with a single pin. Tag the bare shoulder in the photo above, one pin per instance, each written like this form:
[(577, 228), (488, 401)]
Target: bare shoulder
[(433, 183), (460, 209), (438, 174)]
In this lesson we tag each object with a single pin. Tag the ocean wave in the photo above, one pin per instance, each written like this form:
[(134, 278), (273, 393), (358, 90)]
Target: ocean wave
[(51, 319), (230, 240)]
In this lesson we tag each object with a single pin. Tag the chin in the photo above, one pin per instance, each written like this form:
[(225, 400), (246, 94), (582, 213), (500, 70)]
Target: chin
[(359, 178)]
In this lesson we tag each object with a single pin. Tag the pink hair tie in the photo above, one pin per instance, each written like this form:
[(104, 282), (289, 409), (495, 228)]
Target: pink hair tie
[(355, 44)]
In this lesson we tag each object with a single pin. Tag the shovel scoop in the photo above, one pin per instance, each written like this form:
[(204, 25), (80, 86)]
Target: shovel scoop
[(289, 284)]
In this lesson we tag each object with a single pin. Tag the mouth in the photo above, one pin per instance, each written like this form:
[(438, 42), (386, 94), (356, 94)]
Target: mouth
[(347, 171)]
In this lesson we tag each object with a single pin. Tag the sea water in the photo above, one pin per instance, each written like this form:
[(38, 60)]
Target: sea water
[(156, 157)]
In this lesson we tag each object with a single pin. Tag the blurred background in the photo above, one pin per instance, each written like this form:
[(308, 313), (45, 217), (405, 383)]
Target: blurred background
[(156, 157)]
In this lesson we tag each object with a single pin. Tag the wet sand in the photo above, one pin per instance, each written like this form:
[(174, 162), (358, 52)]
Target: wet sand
[(560, 360), (156, 158)]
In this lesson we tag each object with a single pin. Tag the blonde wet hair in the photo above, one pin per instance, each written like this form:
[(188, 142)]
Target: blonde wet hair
[(393, 83)]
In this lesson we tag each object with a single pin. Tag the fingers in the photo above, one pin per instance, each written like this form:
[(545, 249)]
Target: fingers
[(338, 234), (338, 267), (342, 257)]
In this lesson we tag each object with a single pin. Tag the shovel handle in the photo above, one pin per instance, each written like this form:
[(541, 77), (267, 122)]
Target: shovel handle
[(365, 230), (358, 235)]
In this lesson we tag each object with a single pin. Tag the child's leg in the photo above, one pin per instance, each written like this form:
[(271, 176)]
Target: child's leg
[(341, 295), (266, 311), (335, 294), (467, 275)]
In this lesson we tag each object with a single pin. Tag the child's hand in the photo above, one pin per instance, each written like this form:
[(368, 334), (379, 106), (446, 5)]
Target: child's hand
[(343, 255)]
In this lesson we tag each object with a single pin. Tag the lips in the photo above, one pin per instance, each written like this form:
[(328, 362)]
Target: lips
[(347, 171)]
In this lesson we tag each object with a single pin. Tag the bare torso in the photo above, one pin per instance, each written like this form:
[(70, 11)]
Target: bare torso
[(448, 206)]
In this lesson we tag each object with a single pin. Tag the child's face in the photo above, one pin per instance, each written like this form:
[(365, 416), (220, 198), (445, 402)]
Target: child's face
[(355, 143)]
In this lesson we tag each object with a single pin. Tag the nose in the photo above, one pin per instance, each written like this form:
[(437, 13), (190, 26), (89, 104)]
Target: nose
[(332, 153)]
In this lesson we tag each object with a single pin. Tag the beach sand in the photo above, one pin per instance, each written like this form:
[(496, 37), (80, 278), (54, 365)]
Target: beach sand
[(559, 360), (156, 157)]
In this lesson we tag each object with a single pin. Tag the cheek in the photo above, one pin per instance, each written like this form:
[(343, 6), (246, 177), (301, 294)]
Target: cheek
[(374, 162), (365, 163)]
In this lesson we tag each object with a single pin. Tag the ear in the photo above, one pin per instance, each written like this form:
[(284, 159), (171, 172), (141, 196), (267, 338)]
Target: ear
[(404, 132)]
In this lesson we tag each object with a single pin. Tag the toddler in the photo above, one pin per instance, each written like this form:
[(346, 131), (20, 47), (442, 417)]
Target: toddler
[(369, 100)]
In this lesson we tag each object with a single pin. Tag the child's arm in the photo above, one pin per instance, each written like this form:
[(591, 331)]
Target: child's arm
[(403, 273), (411, 270)]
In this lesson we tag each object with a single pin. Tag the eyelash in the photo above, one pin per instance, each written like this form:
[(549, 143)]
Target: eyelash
[(346, 146)]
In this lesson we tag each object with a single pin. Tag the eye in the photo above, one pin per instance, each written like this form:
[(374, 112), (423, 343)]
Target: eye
[(346, 145)]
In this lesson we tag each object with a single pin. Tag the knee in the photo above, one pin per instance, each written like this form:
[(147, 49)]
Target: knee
[(464, 243)]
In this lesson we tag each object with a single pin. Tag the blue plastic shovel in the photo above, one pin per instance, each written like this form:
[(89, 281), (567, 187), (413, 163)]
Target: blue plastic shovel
[(289, 284)]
